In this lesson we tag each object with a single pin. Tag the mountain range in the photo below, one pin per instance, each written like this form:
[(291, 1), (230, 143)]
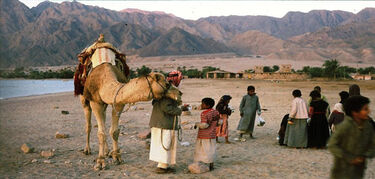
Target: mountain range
[(54, 33)]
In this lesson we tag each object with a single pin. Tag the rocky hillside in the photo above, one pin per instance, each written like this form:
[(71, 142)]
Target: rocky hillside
[(53, 33)]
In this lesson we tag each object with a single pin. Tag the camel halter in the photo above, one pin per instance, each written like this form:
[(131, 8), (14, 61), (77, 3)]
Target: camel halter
[(151, 94)]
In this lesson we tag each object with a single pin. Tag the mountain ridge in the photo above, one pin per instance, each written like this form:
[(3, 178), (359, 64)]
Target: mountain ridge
[(53, 33)]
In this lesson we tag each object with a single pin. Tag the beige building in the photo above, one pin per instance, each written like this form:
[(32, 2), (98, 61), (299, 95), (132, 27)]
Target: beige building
[(258, 69), (363, 77), (284, 73), (223, 74), (285, 68)]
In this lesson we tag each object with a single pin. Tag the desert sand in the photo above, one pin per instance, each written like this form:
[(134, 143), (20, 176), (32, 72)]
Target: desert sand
[(36, 119)]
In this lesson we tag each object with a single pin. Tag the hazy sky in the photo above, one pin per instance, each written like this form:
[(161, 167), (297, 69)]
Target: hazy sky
[(197, 9)]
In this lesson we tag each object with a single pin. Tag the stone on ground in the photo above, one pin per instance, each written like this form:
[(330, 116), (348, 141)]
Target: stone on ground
[(26, 148), (145, 134), (198, 167), (61, 136), (47, 154)]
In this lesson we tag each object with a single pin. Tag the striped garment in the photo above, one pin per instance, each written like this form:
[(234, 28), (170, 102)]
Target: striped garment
[(210, 117), (103, 55)]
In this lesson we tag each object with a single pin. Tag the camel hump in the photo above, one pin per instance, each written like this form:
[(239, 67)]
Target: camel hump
[(103, 55)]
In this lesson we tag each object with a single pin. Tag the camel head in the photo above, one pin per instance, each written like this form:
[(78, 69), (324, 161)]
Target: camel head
[(161, 88)]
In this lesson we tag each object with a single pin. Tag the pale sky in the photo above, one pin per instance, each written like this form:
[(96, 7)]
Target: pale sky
[(197, 9)]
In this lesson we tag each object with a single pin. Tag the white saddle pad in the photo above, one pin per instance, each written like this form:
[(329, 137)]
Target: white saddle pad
[(103, 55)]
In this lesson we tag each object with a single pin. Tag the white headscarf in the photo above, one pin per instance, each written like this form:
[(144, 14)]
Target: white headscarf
[(338, 107)]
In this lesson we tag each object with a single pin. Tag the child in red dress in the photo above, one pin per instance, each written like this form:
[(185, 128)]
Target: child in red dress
[(225, 112)]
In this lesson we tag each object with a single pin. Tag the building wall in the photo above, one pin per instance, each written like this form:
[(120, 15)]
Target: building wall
[(285, 68), (277, 76), (362, 77), (258, 69)]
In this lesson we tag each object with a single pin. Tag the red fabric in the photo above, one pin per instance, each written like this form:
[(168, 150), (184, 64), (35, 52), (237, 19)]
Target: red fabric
[(175, 77), (78, 81), (222, 130), (210, 117)]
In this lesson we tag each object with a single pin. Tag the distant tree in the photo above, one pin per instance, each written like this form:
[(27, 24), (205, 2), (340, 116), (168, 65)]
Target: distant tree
[(275, 68), (344, 71), (315, 72), (330, 68), (267, 69), (143, 71), (19, 72), (366, 70)]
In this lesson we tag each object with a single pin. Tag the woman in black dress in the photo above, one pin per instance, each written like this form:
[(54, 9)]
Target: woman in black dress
[(318, 132)]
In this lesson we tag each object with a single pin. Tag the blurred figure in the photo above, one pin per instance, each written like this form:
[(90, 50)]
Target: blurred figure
[(354, 140), (354, 90), (318, 132), (296, 129), (337, 115)]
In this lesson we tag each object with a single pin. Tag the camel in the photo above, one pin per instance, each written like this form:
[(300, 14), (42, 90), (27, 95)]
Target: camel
[(105, 86)]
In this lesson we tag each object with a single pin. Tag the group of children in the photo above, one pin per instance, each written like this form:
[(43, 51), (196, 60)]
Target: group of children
[(214, 124)]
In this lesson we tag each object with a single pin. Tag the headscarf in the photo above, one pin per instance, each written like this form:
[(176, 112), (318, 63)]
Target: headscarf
[(338, 107), (226, 97), (174, 77)]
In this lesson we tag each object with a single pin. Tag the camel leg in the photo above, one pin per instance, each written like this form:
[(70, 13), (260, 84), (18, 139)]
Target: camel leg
[(114, 132), (99, 112), (87, 111)]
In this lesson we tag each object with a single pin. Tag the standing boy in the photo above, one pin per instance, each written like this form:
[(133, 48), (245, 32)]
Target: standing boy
[(248, 108), (353, 140), (205, 147)]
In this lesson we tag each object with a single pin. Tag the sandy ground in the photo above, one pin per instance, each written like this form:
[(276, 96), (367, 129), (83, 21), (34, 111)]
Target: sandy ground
[(36, 119), (227, 61)]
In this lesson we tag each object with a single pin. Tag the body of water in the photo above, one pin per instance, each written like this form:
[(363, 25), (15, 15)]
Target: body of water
[(18, 88)]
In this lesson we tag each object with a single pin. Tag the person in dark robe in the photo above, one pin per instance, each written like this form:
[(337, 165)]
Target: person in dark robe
[(354, 140), (318, 132), (282, 129)]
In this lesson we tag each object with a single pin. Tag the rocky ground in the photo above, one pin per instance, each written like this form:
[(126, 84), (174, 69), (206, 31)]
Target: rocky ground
[(35, 120)]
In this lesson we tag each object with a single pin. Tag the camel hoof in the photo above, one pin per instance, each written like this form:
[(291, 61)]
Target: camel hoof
[(87, 151), (116, 156), (100, 165), (117, 159)]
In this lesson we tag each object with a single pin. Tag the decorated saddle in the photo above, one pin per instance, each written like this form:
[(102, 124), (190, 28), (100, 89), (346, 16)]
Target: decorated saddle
[(98, 53)]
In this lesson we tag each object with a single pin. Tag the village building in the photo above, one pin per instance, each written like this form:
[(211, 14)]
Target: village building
[(217, 74), (363, 77), (284, 73)]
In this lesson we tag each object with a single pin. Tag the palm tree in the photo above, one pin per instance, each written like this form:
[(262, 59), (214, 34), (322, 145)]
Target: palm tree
[(330, 68)]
